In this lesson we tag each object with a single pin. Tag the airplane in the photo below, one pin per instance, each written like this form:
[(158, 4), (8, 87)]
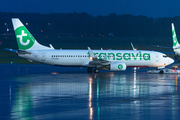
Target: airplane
[(175, 47), (113, 60)]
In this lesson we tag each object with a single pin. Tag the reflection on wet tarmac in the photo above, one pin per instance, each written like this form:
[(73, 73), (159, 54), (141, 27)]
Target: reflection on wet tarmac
[(110, 95)]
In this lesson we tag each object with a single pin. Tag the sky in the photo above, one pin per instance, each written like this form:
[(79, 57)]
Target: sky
[(149, 8)]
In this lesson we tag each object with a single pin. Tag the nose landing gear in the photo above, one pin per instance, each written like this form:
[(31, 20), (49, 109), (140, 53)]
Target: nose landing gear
[(89, 70)]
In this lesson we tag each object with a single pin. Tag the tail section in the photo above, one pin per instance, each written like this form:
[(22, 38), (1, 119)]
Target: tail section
[(175, 41), (24, 38)]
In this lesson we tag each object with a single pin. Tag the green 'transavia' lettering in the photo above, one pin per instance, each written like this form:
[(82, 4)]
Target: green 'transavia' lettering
[(123, 56), (119, 57), (111, 54), (127, 56)]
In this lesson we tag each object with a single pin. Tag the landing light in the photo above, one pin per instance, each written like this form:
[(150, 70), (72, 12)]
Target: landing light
[(54, 73), (90, 58)]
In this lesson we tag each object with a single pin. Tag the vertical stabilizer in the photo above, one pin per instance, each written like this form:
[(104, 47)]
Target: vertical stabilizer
[(175, 41), (24, 38)]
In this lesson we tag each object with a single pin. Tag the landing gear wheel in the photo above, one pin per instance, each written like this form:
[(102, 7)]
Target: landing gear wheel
[(89, 70), (161, 72), (96, 70)]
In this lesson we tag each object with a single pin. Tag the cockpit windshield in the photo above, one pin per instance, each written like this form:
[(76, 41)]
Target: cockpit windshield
[(165, 56)]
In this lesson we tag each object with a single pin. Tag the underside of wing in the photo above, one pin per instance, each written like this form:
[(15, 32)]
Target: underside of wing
[(96, 61)]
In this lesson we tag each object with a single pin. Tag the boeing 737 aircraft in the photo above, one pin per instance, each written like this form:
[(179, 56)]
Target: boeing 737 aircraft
[(175, 47), (113, 60)]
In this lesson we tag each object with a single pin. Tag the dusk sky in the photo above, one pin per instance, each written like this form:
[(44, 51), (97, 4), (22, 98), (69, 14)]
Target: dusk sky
[(149, 8)]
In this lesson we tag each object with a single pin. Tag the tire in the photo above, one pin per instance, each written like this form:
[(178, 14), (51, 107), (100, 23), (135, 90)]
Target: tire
[(161, 72), (89, 70)]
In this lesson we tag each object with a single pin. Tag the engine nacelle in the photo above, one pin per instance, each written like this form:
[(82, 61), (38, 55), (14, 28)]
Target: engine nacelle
[(117, 66)]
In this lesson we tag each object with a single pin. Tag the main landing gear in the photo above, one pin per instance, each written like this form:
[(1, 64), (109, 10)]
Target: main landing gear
[(95, 70), (89, 70)]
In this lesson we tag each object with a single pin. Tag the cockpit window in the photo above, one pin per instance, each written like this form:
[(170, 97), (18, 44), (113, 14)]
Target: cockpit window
[(165, 56)]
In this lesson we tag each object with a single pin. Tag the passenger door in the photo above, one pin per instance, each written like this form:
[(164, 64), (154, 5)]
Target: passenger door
[(43, 58), (157, 58)]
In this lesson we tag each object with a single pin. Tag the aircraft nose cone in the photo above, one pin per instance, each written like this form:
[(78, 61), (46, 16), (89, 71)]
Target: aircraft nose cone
[(170, 61)]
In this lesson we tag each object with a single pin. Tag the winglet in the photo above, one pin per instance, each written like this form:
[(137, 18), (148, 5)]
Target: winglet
[(91, 53), (132, 46)]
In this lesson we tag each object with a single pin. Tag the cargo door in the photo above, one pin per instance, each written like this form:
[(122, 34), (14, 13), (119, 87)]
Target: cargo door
[(43, 58)]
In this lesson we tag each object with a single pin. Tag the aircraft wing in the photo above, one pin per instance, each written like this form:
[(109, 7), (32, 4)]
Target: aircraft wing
[(95, 60)]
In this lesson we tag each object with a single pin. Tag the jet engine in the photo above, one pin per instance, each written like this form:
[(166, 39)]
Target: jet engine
[(117, 66)]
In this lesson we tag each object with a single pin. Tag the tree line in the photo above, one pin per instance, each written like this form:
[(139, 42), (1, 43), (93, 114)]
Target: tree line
[(84, 24)]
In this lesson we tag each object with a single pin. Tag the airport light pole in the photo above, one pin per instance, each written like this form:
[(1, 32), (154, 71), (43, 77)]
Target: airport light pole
[(6, 27)]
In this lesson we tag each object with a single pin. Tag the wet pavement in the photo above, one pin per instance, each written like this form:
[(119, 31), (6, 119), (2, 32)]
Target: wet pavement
[(72, 93)]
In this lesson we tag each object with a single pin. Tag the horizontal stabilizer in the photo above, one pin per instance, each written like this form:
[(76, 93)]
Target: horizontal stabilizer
[(23, 52), (10, 50)]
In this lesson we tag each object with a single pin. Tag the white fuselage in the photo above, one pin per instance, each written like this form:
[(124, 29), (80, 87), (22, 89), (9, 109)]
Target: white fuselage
[(81, 58)]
